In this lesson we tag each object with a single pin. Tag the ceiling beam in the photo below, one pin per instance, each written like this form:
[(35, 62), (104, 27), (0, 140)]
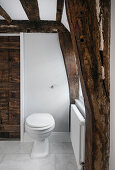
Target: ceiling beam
[(17, 26), (60, 5), (31, 9), (4, 14)]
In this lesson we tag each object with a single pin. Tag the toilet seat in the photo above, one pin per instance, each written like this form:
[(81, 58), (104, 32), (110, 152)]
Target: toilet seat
[(37, 130), (40, 121)]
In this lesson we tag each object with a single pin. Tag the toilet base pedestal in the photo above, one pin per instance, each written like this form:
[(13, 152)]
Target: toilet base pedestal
[(40, 149)]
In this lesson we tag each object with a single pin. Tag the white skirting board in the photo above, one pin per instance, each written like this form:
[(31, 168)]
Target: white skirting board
[(78, 135), (55, 137)]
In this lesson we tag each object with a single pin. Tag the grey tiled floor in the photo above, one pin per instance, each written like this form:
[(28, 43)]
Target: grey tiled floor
[(16, 156)]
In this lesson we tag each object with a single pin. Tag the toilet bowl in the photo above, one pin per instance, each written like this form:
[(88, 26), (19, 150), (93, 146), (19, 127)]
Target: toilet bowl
[(39, 126)]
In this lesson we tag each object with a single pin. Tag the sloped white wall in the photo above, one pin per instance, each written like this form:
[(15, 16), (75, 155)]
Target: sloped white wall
[(64, 18), (44, 67), (112, 89), (14, 9), (47, 9)]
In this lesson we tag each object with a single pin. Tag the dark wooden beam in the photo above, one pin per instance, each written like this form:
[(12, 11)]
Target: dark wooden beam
[(70, 64), (4, 14), (9, 128), (60, 5), (28, 26), (31, 9), (11, 45), (86, 38)]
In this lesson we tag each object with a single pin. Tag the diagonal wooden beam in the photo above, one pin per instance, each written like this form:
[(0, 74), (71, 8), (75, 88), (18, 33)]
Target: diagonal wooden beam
[(94, 75), (60, 5), (5, 15), (31, 9), (70, 64)]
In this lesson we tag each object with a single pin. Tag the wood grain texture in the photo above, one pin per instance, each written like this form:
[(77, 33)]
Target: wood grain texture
[(9, 88), (11, 45), (70, 64), (9, 128), (4, 14), (17, 26), (60, 5), (86, 38), (31, 9)]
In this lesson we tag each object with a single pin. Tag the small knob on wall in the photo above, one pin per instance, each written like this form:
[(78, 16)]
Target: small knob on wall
[(51, 86)]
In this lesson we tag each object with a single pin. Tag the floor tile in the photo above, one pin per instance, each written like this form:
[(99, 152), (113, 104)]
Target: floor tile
[(1, 158), (9, 146), (61, 148), (60, 137), (47, 163), (24, 162), (65, 162), (16, 156), (15, 162), (25, 147)]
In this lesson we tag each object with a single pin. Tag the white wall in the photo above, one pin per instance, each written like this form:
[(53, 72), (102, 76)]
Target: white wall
[(64, 18), (112, 62), (47, 9), (44, 67), (14, 9)]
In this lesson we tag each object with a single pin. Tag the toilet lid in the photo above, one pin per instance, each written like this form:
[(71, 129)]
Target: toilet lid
[(40, 120)]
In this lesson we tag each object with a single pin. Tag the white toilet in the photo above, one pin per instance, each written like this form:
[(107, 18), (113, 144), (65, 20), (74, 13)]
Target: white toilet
[(39, 126)]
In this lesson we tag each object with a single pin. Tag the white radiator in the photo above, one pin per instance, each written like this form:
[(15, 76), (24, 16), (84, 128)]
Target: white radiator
[(78, 135)]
